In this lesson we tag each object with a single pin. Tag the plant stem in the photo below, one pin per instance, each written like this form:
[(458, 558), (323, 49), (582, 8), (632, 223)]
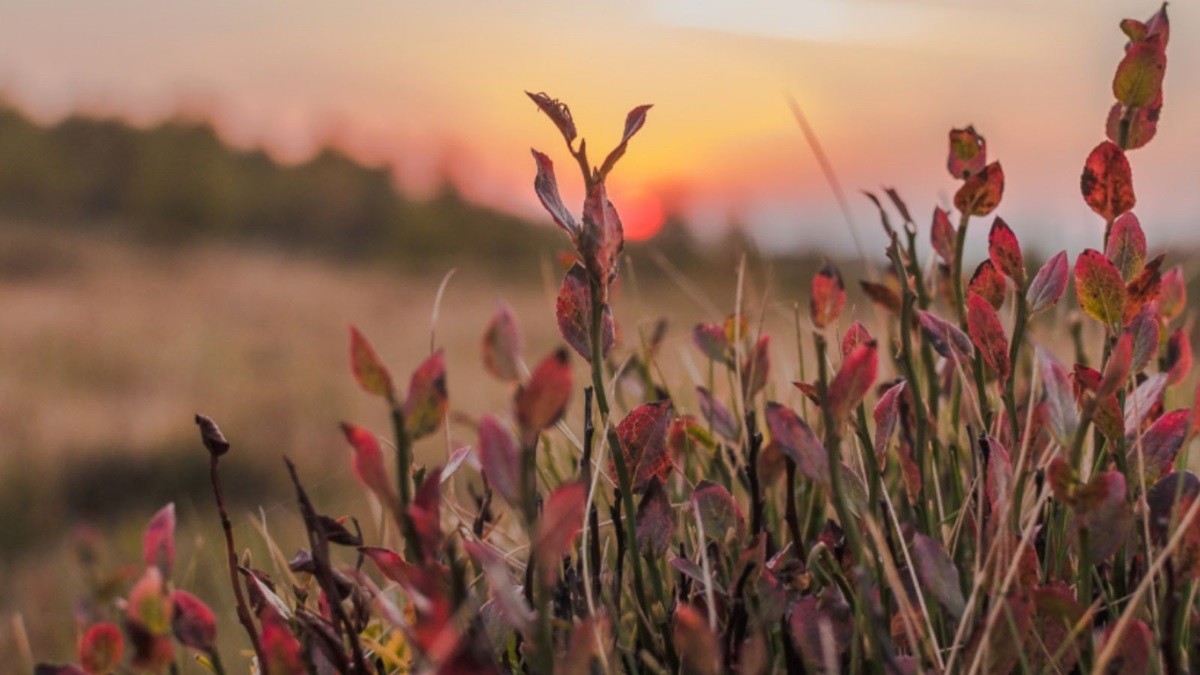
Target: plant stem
[(243, 610)]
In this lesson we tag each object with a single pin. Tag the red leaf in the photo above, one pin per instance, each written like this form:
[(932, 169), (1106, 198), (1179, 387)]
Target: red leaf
[(943, 236), (281, 650), (988, 282), (1144, 288), (855, 335), (1139, 77), (101, 648), (1133, 651), (937, 573), (370, 372), (501, 459), (546, 187), (1141, 123), (757, 367), (149, 604), (1100, 288), (981, 193), (655, 520), (601, 239), (158, 544), (946, 339), (1156, 26), (194, 624), (502, 345), (1107, 181), (719, 514), (574, 311), (643, 436), (710, 339), (425, 514), (988, 334), (368, 463), (427, 403), (853, 380), (1100, 507), (1179, 356), (508, 598), (886, 413), (1005, 251), (1169, 499), (1126, 247), (1172, 298), (633, 122), (1048, 284), (968, 153), (695, 641), (828, 296), (1160, 444), (559, 525), (799, 442), (558, 112), (717, 415), (1057, 613), (818, 623), (542, 401)]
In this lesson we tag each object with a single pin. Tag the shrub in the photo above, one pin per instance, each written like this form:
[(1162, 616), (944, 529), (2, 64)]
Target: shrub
[(978, 507)]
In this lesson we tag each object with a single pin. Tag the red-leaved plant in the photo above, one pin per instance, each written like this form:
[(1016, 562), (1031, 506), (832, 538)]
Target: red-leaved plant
[(949, 495)]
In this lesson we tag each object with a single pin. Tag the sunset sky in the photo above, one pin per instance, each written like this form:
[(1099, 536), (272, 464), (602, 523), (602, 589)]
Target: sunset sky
[(436, 87)]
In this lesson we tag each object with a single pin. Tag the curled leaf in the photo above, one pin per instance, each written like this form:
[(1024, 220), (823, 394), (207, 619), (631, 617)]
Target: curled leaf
[(988, 283), (1060, 402), (886, 414), (601, 238), (546, 187), (710, 339), (633, 122), (882, 295), (1143, 329), (855, 335), (757, 367), (558, 112), (942, 235), (368, 463)]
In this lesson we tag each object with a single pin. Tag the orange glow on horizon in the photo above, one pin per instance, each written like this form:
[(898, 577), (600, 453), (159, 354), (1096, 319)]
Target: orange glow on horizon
[(642, 217)]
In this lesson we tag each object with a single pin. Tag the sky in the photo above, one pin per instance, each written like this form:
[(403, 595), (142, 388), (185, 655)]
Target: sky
[(436, 89)]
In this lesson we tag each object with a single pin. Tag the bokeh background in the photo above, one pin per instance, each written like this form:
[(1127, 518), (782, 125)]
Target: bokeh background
[(196, 198)]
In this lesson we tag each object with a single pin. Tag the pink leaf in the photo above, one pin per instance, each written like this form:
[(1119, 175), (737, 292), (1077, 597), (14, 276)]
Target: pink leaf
[(719, 514), (100, 649), (757, 367), (943, 236), (158, 544), (886, 413), (1048, 284), (988, 282), (716, 414), (1060, 402), (194, 623), (655, 520), (946, 339), (1100, 289), (501, 459), (1143, 329), (855, 335), (1160, 444), (633, 122), (981, 193), (1173, 298), (938, 574), (502, 346), (968, 153), (368, 463), (558, 112), (1179, 356), (601, 238)]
